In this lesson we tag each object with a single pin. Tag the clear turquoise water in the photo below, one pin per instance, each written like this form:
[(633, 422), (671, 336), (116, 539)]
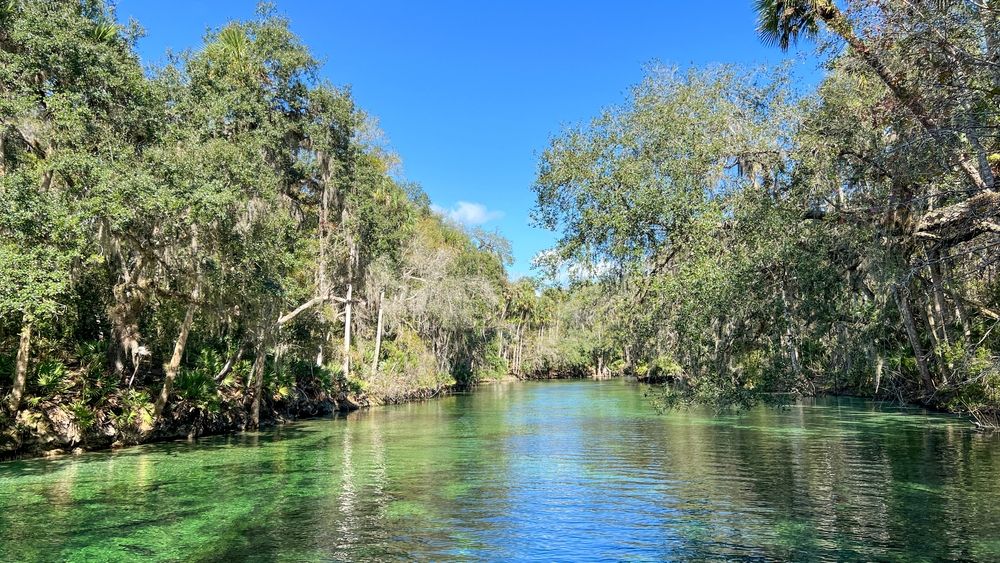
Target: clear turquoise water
[(548, 471)]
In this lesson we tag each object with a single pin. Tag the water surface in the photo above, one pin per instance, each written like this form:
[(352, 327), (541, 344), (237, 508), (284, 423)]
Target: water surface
[(548, 471)]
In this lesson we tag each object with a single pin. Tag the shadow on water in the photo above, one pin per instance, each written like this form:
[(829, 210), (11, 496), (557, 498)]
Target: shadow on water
[(292, 431)]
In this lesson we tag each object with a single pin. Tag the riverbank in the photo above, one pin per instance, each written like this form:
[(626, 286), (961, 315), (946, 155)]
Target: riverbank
[(57, 426)]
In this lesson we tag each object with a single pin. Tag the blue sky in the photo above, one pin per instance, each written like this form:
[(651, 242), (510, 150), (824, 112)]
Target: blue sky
[(469, 93)]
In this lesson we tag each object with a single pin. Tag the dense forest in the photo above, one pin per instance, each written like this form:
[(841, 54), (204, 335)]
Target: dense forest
[(221, 242), (760, 243), (225, 240)]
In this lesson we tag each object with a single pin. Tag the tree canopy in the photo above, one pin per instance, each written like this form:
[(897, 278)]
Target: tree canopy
[(763, 243)]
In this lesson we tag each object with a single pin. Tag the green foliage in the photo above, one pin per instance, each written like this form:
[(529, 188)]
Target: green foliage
[(83, 415), (6, 370), (233, 179), (980, 390), (197, 385), (494, 365), (282, 381), (92, 355), (664, 194), (52, 378), (720, 230), (725, 398), (98, 383), (660, 367), (774, 247), (133, 410), (781, 22), (104, 32), (240, 374), (407, 356)]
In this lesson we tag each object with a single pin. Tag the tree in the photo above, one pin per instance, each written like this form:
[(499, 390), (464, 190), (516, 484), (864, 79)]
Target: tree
[(65, 73), (187, 241), (912, 176), (656, 197)]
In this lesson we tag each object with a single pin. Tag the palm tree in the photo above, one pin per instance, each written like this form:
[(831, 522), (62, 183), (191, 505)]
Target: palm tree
[(234, 42), (236, 48), (781, 22)]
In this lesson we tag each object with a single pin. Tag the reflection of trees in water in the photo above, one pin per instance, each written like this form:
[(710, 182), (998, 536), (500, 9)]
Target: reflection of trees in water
[(470, 474), (405, 472), (802, 481)]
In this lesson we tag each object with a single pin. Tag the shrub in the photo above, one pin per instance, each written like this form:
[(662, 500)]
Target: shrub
[(85, 416), (92, 355), (52, 378), (135, 408), (198, 387)]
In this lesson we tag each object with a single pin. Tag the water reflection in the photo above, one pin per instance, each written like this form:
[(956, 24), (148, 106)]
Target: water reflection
[(560, 470)]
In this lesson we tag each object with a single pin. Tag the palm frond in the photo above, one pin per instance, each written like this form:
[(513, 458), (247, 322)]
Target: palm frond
[(8, 9), (104, 32), (234, 41), (782, 22)]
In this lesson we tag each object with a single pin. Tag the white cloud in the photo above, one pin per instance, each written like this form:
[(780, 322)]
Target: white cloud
[(468, 213)]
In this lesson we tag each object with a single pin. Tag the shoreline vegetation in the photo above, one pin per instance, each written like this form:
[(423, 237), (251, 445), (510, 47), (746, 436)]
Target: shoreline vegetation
[(759, 240), (64, 436), (226, 239)]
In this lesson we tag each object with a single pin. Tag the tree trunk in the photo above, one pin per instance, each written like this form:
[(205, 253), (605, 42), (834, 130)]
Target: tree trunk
[(933, 332), (503, 351), (347, 329), (520, 346), (937, 281), (902, 299), (21, 368), (230, 363), (991, 35), (961, 222), (793, 350), (963, 320), (175, 360), (323, 231), (324, 221), (129, 296), (879, 364), (378, 334), (257, 381)]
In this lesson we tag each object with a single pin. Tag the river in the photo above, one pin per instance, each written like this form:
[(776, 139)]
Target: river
[(568, 470)]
